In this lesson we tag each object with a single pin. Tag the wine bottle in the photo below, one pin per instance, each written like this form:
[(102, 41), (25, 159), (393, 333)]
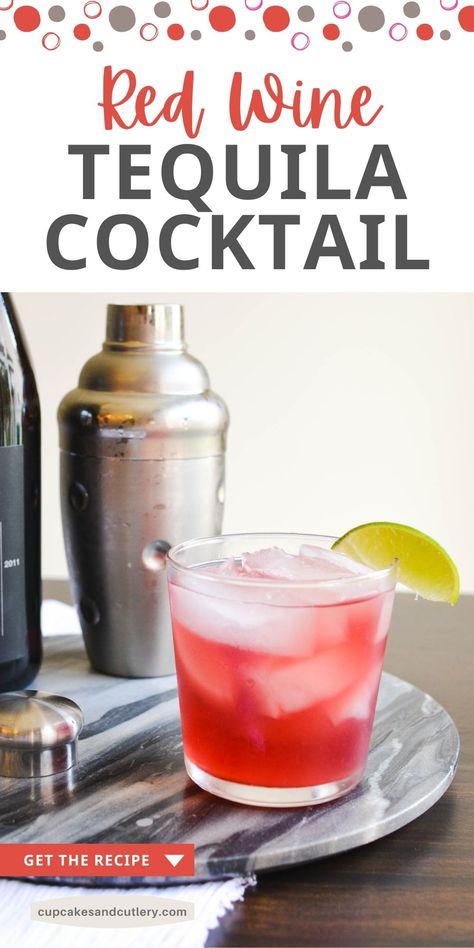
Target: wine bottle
[(20, 515)]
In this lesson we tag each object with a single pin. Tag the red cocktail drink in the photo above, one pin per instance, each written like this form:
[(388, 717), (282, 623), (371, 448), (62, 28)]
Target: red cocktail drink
[(279, 656)]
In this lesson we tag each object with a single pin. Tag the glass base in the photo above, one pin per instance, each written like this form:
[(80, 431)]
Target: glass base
[(271, 796)]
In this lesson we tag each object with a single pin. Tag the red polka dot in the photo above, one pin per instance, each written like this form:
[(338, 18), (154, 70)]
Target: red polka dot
[(222, 19), (276, 19), (466, 19), (82, 31), (27, 19), (175, 31), (424, 31), (331, 31)]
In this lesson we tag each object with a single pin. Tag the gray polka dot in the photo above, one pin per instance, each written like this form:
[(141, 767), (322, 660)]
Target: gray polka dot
[(56, 14), (196, 34), (146, 821), (3, 35), (122, 19), (250, 34), (347, 47), (371, 19), (411, 9), (163, 10), (98, 47), (306, 14), (445, 35)]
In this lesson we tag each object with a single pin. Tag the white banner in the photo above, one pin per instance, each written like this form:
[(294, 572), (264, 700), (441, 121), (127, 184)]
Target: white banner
[(125, 164)]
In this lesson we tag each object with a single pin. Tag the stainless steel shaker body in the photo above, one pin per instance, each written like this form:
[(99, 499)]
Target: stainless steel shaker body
[(142, 467)]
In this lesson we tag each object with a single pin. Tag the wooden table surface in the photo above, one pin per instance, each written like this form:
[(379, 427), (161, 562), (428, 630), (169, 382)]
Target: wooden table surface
[(416, 887)]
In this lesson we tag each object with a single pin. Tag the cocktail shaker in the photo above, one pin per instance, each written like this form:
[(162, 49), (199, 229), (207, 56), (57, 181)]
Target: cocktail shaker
[(142, 443)]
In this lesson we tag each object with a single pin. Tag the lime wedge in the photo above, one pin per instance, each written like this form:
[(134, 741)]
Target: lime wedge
[(423, 564)]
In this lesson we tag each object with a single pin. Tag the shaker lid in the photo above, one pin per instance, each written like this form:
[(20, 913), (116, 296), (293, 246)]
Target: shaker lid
[(38, 733), (156, 325)]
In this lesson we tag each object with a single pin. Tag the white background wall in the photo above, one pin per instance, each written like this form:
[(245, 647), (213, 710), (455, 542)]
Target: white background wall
[(344, 408)]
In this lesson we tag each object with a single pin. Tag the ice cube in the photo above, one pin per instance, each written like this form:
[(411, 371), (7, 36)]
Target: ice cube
[(275, 563), (294, 686), (209, 615), (204, 672), (229, 567), (310, 574), (358, 701), (312, 563), (330, 561), (247, 625)]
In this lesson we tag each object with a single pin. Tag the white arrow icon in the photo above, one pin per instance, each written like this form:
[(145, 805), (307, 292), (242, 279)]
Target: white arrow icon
[(175, 859)]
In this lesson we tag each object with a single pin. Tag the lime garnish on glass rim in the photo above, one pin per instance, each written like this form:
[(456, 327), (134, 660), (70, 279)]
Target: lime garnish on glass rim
[(423, 565)]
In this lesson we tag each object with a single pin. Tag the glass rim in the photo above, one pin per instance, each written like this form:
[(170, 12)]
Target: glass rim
[(212, 578)]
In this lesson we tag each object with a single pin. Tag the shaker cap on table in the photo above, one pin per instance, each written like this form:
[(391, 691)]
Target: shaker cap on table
[(38, 733)]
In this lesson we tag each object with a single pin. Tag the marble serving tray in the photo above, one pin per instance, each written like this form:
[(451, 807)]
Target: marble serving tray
[(130, 786)]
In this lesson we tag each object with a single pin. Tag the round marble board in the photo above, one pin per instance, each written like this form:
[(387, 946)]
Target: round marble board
[(130, 786)]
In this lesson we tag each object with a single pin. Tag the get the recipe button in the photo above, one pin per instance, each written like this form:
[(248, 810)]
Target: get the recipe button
[(87, 859)]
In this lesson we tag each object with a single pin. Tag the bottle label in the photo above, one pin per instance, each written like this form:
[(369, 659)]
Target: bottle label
[(13, 628)]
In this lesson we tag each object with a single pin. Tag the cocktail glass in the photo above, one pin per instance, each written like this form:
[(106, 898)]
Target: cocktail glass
[(277, 677)]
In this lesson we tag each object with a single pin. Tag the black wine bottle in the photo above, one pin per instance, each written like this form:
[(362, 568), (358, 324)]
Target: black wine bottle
[(20, 515)]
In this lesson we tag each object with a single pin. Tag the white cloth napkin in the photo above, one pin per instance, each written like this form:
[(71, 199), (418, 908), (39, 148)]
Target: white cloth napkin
[(211, 899)]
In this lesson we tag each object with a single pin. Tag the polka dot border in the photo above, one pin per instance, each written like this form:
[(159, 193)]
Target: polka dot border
[(336, 22)]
